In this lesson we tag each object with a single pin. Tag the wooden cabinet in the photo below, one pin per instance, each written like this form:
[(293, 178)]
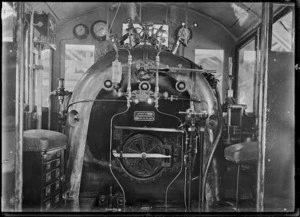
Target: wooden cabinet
[(43, 172)]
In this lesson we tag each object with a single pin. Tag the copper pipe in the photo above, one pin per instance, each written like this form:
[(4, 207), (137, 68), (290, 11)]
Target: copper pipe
[(39, 91), (214, 147)]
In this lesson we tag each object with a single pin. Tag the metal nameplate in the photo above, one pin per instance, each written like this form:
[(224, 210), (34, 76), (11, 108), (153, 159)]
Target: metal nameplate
[(144, 116)]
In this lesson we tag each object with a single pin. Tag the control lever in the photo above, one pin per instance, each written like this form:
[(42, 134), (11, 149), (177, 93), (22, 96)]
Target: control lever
[(142, 155)]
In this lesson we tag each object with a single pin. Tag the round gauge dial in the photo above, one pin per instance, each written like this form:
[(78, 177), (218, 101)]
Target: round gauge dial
[(99, 30), (81, 31)]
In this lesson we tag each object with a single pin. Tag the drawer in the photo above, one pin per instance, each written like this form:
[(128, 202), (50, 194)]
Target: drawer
[(51, 202), (51, 164), (51, 155), (51, 176), (50, 189)]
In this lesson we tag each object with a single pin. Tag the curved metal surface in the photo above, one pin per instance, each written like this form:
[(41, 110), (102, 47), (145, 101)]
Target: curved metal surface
[(96, 10)]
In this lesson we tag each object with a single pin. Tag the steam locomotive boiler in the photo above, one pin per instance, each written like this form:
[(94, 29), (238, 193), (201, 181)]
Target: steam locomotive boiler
[(103, 112), (143, 124)]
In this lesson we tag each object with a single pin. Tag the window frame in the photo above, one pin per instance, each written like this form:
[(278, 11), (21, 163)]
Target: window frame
[(255, 34), (279, 14), (222, 93), (240, 45), (64, 58)]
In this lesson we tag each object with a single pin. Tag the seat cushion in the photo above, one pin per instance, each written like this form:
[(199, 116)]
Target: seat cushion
[(242, 152), (41, 140)]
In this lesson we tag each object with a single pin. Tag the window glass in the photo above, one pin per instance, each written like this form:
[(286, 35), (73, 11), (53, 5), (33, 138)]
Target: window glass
[(282, 34), (212, 60), (8, 16), (78, 58), (246, 69)]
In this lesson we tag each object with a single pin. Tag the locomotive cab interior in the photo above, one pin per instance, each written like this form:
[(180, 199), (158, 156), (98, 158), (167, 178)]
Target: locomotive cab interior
[(148, 107)]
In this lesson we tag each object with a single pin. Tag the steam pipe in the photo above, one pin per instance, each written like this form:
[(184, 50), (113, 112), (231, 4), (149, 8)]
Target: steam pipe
[(166, 197), (129, 76), (214, 145), (112, 22), (190, 171), (31, 89), (201, 148), (110, 153), (31, 82), (156, 79), (180, 171), (39, 88)]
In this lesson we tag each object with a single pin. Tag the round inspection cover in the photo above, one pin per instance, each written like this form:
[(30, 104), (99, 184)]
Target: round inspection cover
[(143, 168)]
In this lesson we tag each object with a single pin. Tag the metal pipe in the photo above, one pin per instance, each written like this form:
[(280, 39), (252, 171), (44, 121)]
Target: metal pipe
[(31, 73), (107, 20), (129, 76), (52, 11), (180, 171), (186, 26), (237, 187), (187, 69), (39, 91), (140, 12), (113, 20), (156, 80), (201, 147), (26, 47), (190, 172), (167, 10), (266, 31), (156, 94), (169, 130), (53, 93), (228, 124), (110, 154), (31, 77), (19, 108), (214, 147)]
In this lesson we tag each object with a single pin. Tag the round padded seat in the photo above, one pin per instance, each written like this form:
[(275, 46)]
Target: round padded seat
[(41, 140), (242, 152)]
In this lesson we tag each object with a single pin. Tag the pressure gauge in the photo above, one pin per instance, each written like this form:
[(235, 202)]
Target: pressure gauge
[(81, 31), (99, 30)]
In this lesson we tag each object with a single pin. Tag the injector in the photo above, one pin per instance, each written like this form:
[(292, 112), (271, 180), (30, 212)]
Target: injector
[(60, 92)]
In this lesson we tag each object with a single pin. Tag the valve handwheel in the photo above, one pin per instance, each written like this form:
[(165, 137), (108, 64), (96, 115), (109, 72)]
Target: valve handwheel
[(143, 156)]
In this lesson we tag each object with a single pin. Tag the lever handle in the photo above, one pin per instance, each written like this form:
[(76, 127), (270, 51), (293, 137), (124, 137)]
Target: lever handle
[(139, 155)]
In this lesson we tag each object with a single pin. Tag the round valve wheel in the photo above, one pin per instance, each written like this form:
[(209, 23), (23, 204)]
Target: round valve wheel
[(147, 166)]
